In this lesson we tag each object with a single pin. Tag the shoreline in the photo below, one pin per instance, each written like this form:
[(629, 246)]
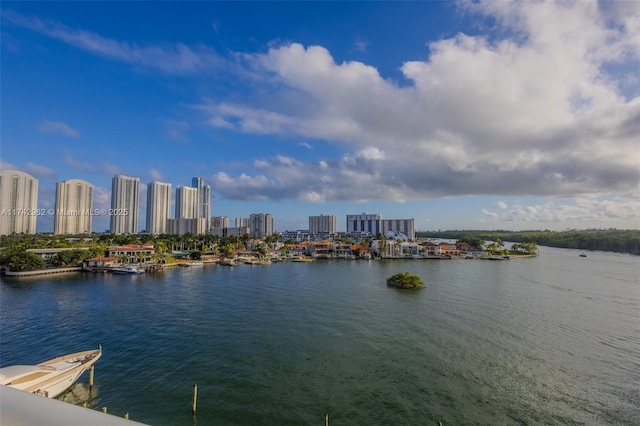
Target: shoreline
[(68, 270)]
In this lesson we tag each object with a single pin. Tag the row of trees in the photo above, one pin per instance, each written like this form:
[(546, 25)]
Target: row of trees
[(624, 241), (497, 245), (13, 249)]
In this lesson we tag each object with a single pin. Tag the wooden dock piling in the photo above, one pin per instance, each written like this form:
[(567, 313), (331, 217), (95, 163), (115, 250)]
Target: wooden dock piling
[(195, 399), (91, 374)]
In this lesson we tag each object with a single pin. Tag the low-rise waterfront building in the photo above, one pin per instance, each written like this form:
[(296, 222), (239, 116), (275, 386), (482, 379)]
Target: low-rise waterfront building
[(47, 254), (134, 253), (101, 262), (449, 249)]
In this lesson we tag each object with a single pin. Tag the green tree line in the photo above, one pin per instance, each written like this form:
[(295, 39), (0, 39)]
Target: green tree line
[(13, 247), (624, 241)]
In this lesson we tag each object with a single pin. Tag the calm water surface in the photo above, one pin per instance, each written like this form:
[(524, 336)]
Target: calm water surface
[(548, 340)]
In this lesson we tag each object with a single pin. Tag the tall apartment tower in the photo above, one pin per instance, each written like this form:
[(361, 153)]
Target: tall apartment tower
[(403, 226), (204, 199), (74, 205), (124, 204), (18, 195), (186, 202), (322, 224), (158, 207), (261, 225), (219, 222), (242, 222), (367, 223)]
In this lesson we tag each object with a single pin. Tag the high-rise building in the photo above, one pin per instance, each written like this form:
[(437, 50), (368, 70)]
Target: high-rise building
[(230, 232), (219, 222), (186, 202), (18, 202), (261, 225), (74, 207), (124, 204), (242, 222), (158, 207), (181, 226), (203, 209), (322, 224), (370, 224), (402, 226)]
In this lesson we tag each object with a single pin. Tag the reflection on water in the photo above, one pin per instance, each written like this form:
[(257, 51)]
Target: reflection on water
[(79, 394)]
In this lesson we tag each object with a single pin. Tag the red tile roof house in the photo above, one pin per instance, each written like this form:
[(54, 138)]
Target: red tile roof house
[(363, 251)]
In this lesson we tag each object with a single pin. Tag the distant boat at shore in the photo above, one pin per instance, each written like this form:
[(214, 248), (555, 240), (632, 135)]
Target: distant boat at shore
[(582, 255), (129, 269), (302, 259), (497, 258)]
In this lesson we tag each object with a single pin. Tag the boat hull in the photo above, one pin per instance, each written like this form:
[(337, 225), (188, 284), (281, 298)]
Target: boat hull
[(127, 271), (50, 378)]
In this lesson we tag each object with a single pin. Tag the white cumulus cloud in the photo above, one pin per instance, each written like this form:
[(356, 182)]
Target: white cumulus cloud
[(528, 109)]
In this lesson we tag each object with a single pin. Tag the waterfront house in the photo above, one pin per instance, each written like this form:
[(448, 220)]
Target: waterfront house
[(409, 249), (47, 254), (295, 250), (449, 249), (133, 253), (342, 250), (361, 251), (101, 262), (321, 249), (430, 249)]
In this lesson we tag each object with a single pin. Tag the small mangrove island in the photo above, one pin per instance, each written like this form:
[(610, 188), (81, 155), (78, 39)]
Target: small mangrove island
[(405, 280)]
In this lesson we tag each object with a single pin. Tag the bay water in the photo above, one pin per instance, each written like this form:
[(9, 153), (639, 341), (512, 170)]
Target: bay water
[(553, 339)]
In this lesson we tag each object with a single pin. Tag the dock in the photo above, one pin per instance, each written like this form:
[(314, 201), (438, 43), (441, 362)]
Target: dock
[(23, 408)]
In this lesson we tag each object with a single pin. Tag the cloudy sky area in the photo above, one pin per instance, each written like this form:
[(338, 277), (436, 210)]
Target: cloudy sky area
[(468, 115)]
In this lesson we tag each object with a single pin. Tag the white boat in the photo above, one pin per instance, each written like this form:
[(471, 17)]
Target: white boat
[(194, 263), (49, 378), (129, 269)]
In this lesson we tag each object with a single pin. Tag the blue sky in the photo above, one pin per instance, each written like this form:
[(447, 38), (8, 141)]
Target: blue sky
[(462, 115)]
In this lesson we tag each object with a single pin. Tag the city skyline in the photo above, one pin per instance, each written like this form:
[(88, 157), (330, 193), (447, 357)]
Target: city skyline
[(469, 115)]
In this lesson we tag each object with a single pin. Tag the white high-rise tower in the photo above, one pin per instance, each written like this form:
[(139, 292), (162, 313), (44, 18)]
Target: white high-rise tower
[(158, 207), (18, 202), (74, 205), (186, 202), (204, 200), (124, 204)]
